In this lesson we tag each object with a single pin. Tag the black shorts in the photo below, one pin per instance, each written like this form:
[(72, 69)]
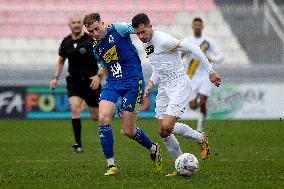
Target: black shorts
[(81, 87)]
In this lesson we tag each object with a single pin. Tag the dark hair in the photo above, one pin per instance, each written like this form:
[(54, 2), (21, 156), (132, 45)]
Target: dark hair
[(91, 18), (197, 19), (140, 18)]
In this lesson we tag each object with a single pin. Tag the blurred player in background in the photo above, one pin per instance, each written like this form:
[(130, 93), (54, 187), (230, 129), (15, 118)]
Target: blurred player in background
[(201, 85), (174, 85), (119, 59), (77, 47)]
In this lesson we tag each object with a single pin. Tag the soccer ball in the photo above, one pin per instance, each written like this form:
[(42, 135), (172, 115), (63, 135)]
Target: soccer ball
[(186, 164)]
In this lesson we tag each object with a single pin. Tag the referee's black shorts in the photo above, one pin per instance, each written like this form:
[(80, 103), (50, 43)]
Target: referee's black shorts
[(80, 86)]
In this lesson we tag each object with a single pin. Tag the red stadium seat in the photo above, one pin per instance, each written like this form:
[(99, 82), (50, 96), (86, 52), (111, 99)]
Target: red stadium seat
[(47, 18)]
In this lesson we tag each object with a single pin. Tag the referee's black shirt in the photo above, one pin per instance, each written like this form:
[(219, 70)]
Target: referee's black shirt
[(81, 59)]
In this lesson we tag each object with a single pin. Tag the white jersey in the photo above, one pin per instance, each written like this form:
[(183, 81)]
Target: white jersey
[(166, 62), (209, 48), (174, 89)]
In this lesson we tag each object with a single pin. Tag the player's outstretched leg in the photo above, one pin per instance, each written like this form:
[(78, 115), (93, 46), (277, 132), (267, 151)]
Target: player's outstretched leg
[(173, 148), (204, 146), (156, 158), (129, 129), (106, 110), (154, 149), (186, 131), (200, 122), (106, 138), (166, 126), (203, 112)]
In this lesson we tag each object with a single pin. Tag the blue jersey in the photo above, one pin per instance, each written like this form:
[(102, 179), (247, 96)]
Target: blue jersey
[(117, 54)]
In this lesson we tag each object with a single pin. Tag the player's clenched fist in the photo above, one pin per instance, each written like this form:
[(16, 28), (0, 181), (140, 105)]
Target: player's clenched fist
[(215, 78)]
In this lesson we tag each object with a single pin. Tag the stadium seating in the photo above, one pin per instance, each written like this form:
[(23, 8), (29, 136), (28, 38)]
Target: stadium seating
[(31, 30)]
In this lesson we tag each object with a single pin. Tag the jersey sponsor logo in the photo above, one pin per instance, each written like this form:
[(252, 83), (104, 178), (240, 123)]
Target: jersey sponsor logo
[(116, 70), (110, 55), (149, 50)]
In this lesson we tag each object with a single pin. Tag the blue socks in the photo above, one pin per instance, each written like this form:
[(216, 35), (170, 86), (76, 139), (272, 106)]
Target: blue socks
[(106, 138), (142, 139), (107, 141)]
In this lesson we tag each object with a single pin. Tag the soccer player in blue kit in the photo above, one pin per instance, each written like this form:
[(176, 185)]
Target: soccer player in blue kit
[(118, 58)]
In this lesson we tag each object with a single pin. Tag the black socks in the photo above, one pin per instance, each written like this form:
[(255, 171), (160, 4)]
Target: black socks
[(76, 123)]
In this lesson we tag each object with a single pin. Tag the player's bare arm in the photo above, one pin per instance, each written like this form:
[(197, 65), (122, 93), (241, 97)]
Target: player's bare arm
[(58, 69)]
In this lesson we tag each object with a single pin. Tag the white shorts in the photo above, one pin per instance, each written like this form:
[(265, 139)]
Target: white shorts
[(200, 85), (173, 97)]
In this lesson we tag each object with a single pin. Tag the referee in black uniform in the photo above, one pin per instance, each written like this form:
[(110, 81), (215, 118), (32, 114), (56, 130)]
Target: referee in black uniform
[(82, 81)]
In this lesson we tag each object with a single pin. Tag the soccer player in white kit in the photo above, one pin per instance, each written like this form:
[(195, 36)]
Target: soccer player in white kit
[(174, 84), (201, 85)]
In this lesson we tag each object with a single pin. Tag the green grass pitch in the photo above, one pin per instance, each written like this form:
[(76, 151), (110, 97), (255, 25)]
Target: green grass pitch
[(36, 154)]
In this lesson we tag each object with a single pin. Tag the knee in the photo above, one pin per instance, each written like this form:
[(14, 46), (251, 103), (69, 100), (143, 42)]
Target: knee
[(163, 133), (76, 110), (128, 128), (166, 129), (193, 105), (104, 119), (129, 132)]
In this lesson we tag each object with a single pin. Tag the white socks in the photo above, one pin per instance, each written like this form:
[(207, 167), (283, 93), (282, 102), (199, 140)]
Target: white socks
[(200, 122), (186, 131), (110, 161), (153, 149), (172, 146)]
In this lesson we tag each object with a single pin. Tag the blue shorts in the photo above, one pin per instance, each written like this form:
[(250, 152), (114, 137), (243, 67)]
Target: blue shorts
[(130, 91)]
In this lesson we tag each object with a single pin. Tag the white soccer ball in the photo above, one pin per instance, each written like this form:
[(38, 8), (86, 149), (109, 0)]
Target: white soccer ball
[(186, 164)]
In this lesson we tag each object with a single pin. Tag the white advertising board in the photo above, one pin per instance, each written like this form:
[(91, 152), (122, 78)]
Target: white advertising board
[(244, 101)]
